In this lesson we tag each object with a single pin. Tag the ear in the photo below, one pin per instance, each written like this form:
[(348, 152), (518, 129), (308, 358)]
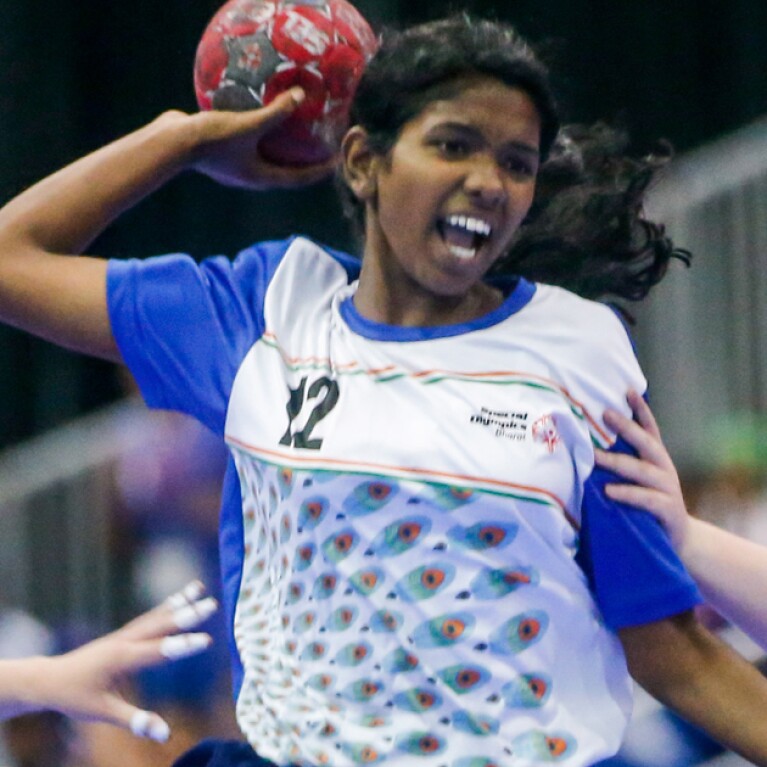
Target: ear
[(359, 164)]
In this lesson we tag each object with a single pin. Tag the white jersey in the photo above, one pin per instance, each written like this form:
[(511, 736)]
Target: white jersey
[(411, 501)]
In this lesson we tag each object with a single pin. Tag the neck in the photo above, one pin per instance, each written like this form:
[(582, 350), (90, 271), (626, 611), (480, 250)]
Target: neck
[(404, 303)]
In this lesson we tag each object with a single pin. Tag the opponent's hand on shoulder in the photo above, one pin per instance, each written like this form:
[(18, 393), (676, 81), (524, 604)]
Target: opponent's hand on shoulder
[(653, 480), (227, 147)]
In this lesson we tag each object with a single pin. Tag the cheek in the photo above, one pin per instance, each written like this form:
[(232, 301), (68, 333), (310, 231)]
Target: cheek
[(522, 199), (398, 209), (527, 194)]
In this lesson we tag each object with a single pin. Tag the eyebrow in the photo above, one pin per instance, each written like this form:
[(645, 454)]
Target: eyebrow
[(470, 130)]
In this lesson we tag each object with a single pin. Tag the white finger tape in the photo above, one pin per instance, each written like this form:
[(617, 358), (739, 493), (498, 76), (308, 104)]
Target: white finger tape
[(145, 724), (181, 645), (189, 594), (190, 615)]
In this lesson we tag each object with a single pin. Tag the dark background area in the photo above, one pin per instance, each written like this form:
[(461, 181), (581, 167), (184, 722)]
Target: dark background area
[(77, 73)]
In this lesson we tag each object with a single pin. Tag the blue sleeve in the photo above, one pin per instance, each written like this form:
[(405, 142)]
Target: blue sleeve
[(634, 573), (231, 557), (183, 328)]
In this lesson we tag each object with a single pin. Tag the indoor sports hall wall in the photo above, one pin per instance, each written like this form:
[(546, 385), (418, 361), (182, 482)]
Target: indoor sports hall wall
[(702, 336)]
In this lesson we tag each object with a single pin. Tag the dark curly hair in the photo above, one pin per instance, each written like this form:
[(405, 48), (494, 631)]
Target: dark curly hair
[(586, 230)]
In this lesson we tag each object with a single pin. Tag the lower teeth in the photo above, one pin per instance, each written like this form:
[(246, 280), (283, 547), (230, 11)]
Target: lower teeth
[(460, 252)]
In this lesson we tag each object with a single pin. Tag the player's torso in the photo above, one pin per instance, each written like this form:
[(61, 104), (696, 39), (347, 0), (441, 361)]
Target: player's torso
[(487, 408), (410, 515)]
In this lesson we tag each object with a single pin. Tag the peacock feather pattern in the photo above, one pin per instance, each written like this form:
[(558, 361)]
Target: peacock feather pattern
[(375, 604)]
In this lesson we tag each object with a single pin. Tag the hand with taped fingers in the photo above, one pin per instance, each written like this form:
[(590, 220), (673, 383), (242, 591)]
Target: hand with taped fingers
[(653, 483), (85, 683), (227, 146)]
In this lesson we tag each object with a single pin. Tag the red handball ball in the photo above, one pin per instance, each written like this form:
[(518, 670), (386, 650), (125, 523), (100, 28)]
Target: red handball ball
[(253, 50)]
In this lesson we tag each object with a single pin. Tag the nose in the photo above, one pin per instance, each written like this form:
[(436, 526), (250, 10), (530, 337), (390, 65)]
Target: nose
[(485, 182)]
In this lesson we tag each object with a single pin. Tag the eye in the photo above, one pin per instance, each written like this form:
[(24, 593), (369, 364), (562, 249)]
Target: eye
[(519, 166), (491, 536), (467, 678), (452, 148), (426, 699), (409, 531), (369, 579), (557, 746), (529, 629)]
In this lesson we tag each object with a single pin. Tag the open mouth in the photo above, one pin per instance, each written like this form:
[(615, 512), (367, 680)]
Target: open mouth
[(464, 235)]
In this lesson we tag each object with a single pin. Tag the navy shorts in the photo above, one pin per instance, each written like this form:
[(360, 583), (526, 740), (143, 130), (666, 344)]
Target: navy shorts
[(222, 753)]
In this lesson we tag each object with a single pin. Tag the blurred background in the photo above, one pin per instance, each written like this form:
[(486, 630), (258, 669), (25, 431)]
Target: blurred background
[(105, 508)]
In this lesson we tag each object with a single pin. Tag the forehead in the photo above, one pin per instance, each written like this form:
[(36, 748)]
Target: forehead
[(500, 112)]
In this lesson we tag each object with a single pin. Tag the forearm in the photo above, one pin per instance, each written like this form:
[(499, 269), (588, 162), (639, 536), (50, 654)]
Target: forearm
[(19, 686), (64, 300), (732, 574), (66, 211), (704, 681)]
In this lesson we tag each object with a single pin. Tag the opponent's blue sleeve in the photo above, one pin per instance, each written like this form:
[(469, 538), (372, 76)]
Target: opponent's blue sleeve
[(183, 328), (634, 573)]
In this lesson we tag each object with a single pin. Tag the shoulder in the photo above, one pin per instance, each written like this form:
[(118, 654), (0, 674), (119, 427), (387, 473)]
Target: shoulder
[(583, 331), (592, 351), (242, 279), (307, 278), (591, 321), (263, 256), (302, 256)]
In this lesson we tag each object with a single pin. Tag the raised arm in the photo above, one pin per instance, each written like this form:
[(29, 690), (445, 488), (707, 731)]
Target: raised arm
[(64, 300), (731, 571), (84, 683)]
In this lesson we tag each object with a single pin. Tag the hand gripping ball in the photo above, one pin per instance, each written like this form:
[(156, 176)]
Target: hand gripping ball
[(253, 50)]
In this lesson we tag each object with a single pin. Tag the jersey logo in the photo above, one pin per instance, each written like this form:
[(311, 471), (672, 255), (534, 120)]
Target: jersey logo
[(317, 399), (508, 424), (545, 431)]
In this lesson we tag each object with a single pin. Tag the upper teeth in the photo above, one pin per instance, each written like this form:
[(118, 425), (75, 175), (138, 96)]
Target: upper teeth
[(471, 224)]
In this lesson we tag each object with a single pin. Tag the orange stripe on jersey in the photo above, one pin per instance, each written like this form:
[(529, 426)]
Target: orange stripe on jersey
[(367, 466), (455, 374)]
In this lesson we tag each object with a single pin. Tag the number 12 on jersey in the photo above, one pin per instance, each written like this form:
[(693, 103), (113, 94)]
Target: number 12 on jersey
[(317, 398)]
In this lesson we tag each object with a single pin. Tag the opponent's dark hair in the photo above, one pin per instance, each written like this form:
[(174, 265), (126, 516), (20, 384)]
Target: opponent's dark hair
[(586, 230)]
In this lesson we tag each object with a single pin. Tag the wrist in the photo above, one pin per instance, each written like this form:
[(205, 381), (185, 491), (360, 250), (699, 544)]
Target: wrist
[(692, 542), (176, 138), (24, 682), (201, 131)]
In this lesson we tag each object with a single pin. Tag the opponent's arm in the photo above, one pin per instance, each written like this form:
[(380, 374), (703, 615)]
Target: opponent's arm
[(731, 571), (692, 672), (64, 300), (84, 683)]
